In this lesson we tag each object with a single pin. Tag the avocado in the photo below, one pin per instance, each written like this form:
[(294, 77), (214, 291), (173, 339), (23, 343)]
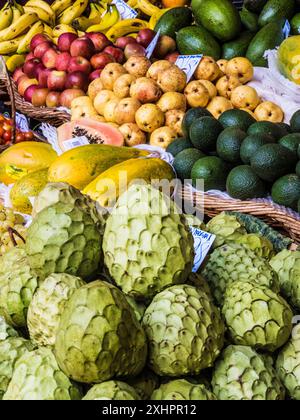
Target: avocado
[(236, 118), (251, 144), (229, 144), (272, 161), (295, 122), (255, 6), (286, 191), (237, 47), (178, 145), (249, 20), (173, 20), (267, 127), (204, 132), (212, 170), (268, 38), (285, 127), (184, 162), (243, 183), (292, 142), (190, 116), (276, 9), (295, 24), (219, 17), (197, 40)]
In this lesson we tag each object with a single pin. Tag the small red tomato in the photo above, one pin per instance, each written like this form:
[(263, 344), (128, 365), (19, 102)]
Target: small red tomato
[(29, 135), (20, 137), (6, 127), (7, 136)]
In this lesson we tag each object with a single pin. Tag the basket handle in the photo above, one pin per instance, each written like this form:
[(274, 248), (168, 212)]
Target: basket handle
[(12, 99)]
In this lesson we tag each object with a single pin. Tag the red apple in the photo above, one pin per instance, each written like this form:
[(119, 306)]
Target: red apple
[(134, 49), (77, 80), (117, 53), (99, 61), (49, 58), (24, 82), (99, 40), (95, 75), (17, 74), (172, 57), (43, 77), (65, 40), (40, 49), (68, 95), (30, 67), (57, 80), (29, 56), (29, 92), (80, 64), (83, 47), (38, 39), (145, 36), (53, 99), (123, 41), (62, 61), (39, 96)]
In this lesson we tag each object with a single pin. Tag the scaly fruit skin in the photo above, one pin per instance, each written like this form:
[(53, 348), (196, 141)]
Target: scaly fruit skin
[(226, 228), (6, 330), (147, 245), (99, 336), (184, 330), (111, 390), (194, 221), (288, 365), (259, 244), (181, 389), (37, 377), (242, 374), (47, 306), (17, 284), (10, 350), (138, 307), (287, 266), (256, 316), (232, 262), (63, 238), (144, 384)]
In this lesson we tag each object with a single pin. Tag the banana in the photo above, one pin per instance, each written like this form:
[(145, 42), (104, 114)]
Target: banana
[(132, 3), (15, 61), (82, 23), (110, 18), (147, 8), (61, 29), (154, 18), (6, 16), (18, 27), (48, 31), (73, 12), (125, 27), (16, 14), (19, 7), (36, 28), (59, 6), (55, 40), (42, 5), (42, 14), (10, 47)]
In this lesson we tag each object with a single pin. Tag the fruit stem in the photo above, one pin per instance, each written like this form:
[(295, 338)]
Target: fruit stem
[(12, 232)]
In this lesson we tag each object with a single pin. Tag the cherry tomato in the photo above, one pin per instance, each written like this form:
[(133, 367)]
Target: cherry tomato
[(9, 121), (6, 127), (7, 136), (20, 137), (29, 135)]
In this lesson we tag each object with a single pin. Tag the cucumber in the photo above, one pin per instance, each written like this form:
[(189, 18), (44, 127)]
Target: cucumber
[(173, 20), (276, 9), (249, 20), (197, 40), (238, 47)]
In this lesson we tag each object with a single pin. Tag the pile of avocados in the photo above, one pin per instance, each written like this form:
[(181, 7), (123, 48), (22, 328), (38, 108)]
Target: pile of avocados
[(218, 29), (247, 158)]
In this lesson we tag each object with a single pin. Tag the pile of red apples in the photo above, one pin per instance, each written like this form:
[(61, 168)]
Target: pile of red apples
[(54, 75)]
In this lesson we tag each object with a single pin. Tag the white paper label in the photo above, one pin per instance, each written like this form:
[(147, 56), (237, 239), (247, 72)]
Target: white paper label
[(75, 142), (126, 12), (152, 45), (188, 63), (202, 244)]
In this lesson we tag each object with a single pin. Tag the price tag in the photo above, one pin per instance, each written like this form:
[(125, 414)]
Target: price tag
[(202, 244), (75, 142), (152, 45), (126, 12), (188, 63), (287, 29)]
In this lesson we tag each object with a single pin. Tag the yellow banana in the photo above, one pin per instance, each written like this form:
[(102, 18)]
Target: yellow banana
[(24, 45), (19, 7), (42, 14), (73, 12), (59, 6), (110, 18), (147, 8), (154, 19), (16, 14), (15, 61), (18, 27), (6, 16), (55, 40), (96, 10), (42, 5), (48, 30), (82, 23), (10, 47), (80, 33), (125, 27), (132, 3), (61, 29)]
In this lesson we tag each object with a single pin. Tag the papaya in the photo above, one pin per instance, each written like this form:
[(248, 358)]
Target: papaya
[(81, 165), (28, 186), (108, 186), (289, 58), (23, 158)]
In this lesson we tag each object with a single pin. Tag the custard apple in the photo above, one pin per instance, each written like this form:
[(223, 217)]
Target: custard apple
[(144, 384), (232, 262), (242, 374), (185, 331), (17, 284), (10, 350), (99, 336), (256, 316), (47, 305), (112, 390), (194, 221), (6, 330), (197, 280), (181, 389), (226, 228), (138, 307), (288, 364), (147, 244), (63, 238), (287, 266), (259, 244), (37, 377)]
